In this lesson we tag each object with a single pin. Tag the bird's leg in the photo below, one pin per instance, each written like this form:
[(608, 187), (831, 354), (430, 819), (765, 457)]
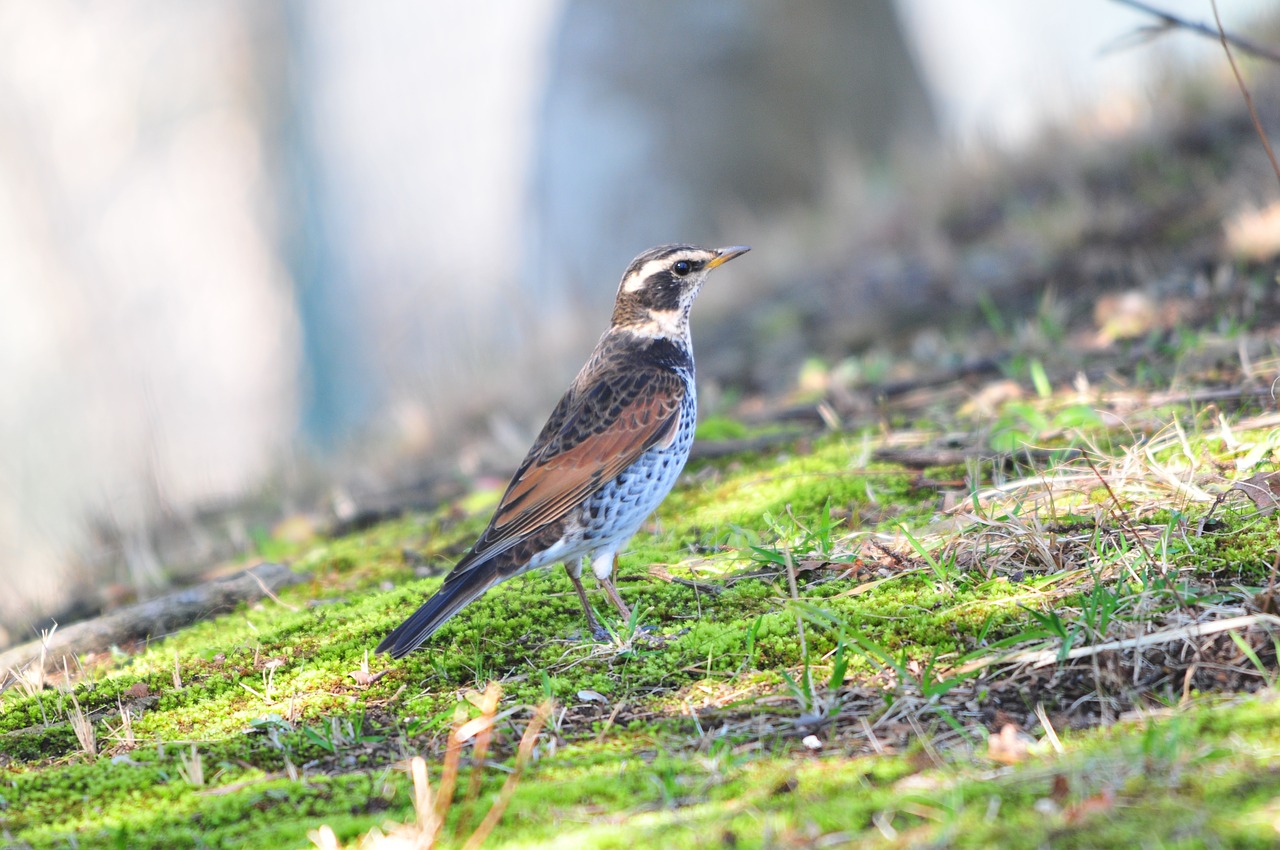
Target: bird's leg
[(603, 566), (598, 631), (611, 590)]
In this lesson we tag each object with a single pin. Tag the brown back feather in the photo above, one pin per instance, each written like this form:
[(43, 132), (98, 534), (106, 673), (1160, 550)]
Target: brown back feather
[(607, 419)]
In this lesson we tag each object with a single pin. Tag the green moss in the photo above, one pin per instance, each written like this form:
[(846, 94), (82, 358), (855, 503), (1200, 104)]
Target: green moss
[(720, 428), (1241, 545), (39, 742), (268, 689)]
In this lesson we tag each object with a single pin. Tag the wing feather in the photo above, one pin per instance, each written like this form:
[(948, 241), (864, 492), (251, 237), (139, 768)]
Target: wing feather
[(595, 433)]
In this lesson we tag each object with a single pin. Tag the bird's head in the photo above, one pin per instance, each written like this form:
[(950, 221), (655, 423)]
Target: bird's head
[(659, 286)]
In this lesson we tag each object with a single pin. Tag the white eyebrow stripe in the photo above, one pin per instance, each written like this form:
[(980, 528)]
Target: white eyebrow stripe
[(636, 280)]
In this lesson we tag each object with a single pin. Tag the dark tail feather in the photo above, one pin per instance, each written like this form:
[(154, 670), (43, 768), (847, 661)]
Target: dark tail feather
[(452, 597)]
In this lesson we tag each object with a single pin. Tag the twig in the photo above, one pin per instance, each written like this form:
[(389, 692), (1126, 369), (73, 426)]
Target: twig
[(1218, 500), (1049, 656), (921, 458), (1170, 398), (1045, 657), (1267, 599), (1244, 90), (1171, 20), (659, 572), (1123, 516), (804, 649), (271, 594)]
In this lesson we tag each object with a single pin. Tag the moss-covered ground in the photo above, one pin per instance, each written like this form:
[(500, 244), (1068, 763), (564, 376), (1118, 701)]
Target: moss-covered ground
[(833, 647)]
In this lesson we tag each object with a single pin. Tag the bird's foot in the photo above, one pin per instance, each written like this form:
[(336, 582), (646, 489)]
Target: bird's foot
[(597, 632)]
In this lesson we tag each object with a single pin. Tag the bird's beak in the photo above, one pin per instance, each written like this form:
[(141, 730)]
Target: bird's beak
[(724, 255)]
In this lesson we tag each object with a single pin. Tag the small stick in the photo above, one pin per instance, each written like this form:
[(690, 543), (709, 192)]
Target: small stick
[(1043, 658), (795, 597), (1171, 20), (1121, 515), (1244, 90)]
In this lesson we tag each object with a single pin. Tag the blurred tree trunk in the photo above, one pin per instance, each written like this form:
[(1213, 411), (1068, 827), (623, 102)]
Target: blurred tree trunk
[(662, 117)]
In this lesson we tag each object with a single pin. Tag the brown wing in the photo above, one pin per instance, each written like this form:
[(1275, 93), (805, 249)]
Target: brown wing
[(596, 432)]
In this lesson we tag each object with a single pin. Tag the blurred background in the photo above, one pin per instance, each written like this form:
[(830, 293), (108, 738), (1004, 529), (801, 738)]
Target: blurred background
[(267, 259)]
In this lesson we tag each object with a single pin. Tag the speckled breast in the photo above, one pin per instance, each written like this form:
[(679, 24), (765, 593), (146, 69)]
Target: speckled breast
[(617, 509)]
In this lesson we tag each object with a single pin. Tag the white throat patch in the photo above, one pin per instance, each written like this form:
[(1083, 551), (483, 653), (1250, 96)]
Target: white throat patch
[(662, 323)]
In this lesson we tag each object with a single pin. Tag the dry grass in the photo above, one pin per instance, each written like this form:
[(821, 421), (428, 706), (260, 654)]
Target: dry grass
[(192, 767), (81, 723), (31, 679), (123, 736), (433, 807)]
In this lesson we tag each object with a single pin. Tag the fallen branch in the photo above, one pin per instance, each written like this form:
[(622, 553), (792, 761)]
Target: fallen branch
[(1196, 396), (974, 368), (154, 618), (924, 457), (723, 448)]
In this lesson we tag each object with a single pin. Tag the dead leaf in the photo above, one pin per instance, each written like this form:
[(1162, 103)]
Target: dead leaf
[(1263, 489), (1061, 788), (1254, 234), (786, 786), (1009, 745), (1127, 315), (364, 679), (920, 781), (1090, 806), (988, 400)]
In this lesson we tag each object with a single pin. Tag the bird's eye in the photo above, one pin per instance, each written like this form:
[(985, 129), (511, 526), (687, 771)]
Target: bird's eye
[(682, 267)]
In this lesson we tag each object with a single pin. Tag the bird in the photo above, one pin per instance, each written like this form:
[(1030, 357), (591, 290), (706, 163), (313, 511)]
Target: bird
[(609, 454)]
